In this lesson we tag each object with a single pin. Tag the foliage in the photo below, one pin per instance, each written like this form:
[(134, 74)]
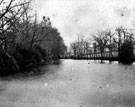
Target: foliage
[(23, 40), (126, 54)]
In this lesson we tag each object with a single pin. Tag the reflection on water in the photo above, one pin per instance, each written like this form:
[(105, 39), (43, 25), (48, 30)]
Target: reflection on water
[(36, 71), (71, 83)]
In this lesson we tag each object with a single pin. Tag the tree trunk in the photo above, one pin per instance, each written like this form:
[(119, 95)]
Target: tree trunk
[(101, 56), (12, 60)]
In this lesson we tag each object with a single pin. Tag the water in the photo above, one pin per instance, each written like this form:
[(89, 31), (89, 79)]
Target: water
[(71, 83)]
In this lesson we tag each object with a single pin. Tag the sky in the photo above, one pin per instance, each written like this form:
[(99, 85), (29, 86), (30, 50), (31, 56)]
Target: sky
[(86, 17)]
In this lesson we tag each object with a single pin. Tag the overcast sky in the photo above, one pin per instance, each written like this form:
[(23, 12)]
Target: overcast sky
[(86, 17)]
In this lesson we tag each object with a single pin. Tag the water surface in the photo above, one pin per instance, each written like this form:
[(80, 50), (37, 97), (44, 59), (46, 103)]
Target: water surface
[(71, 83)]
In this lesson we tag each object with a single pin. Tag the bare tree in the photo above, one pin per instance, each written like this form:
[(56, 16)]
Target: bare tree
[(101, 39), (74, 47), (110, 43)]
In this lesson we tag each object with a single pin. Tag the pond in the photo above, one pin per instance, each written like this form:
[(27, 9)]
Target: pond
[(71, 83)]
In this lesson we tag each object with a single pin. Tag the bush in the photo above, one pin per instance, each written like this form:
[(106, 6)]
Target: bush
[(126, 54), (6, 65), (26, 56), (23, 55)]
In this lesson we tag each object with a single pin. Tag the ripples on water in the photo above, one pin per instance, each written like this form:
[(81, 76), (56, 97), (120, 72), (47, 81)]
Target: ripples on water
[(71, 83)]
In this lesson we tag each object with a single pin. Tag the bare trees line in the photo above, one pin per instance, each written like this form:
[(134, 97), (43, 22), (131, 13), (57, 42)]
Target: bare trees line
[(107, 40)]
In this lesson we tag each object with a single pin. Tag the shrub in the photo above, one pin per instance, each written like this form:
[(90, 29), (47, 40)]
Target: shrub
[(126, 53)]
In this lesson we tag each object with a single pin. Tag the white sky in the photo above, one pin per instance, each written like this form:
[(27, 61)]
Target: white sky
[(86, 17)]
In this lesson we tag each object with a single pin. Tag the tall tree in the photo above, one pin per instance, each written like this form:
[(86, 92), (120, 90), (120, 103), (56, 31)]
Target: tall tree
[(101, 39)]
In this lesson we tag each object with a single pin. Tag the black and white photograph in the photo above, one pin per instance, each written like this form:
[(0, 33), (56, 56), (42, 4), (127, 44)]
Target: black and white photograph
[(67, 53)]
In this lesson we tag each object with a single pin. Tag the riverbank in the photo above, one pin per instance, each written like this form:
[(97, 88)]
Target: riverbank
[(110, 59), (26, 68)]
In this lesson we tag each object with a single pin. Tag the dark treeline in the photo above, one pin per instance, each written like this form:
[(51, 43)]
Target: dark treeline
[(120, 41), (23, 40)]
